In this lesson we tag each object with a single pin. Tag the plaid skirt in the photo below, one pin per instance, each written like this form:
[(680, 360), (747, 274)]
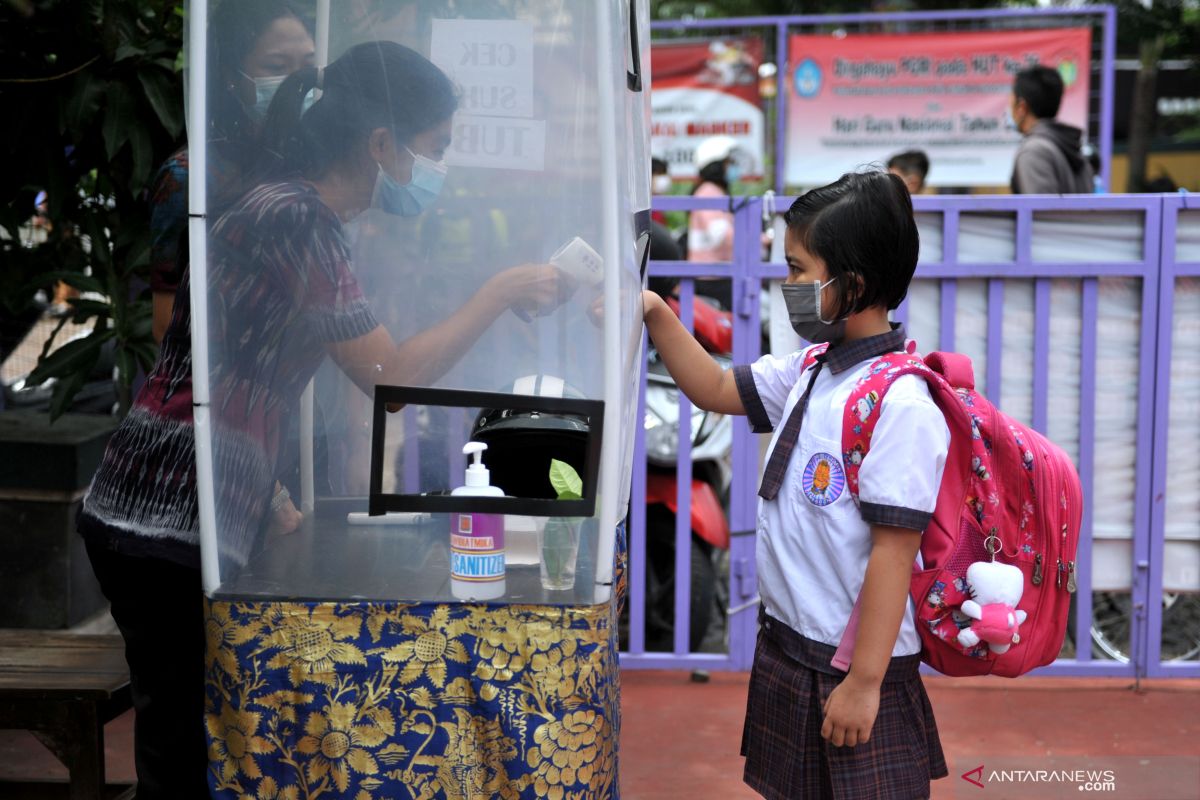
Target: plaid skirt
[(785, 754)]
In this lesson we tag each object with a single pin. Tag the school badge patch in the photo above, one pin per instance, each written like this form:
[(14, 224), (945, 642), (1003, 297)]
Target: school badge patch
[(823, 479)]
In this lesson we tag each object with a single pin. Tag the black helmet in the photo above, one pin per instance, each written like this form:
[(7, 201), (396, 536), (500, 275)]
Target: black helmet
[(521, 444)]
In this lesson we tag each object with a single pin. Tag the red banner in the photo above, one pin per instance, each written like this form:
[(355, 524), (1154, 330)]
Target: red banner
[(859, 99), (703, 89)]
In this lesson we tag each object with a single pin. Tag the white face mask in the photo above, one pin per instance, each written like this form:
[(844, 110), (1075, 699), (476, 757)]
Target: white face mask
[(661, 184)]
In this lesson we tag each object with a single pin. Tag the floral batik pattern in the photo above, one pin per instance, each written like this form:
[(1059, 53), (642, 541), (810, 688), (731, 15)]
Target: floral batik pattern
[(385, 700)]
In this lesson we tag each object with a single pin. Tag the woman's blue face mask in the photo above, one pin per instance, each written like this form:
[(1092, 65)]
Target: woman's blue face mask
[(264, 93), (418, 195)]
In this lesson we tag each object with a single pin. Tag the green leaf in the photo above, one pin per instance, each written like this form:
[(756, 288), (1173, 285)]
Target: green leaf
[(143, 158), (73, 358), (84, 283), (101, 248), (128, 51), (83, 102), (565, 480), (119, 118), (126, 366), (64, 392), (164, 98), (86, 309)]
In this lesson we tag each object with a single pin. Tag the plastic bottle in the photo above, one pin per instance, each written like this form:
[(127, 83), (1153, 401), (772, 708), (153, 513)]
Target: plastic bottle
[(477, 540)]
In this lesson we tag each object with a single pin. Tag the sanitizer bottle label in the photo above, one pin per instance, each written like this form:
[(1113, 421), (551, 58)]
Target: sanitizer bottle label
[(477, 547)]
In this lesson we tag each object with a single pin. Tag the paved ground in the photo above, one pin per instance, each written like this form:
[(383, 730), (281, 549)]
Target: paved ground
[(680, 739)]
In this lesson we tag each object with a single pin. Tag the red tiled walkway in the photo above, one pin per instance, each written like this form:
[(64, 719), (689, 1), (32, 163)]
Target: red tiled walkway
[(680, 739)]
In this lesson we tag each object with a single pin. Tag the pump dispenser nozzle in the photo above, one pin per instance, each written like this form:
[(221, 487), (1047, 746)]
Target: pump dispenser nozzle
[(477, 473)]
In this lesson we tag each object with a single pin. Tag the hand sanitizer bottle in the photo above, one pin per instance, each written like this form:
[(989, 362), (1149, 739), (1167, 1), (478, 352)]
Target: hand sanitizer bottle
[(477, 540)]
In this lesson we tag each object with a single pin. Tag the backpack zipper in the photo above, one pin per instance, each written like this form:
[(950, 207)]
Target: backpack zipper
[(1036, 580), (1071, 585)]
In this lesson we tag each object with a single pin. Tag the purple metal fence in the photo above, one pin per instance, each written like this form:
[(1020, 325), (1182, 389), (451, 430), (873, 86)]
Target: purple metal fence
[(1173, 268), (1156, 270), (1107, 20)]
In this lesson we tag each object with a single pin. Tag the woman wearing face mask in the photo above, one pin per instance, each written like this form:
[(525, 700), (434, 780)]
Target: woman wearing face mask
[(261, 43), (283, 296), (256, 45), (710, 232)]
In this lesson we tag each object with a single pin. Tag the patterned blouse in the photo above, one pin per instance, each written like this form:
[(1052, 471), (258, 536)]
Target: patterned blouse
[(280, 289)]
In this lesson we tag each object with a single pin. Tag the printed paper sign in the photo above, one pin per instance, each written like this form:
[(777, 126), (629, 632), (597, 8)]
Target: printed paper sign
[(859, 99), (497, 142), (491, 61)]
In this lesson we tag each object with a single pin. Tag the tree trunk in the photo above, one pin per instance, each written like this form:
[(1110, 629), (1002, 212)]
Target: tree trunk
[(1141, 124)]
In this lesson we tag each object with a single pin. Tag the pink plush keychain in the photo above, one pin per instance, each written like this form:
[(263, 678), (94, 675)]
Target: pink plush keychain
[(995, 591)]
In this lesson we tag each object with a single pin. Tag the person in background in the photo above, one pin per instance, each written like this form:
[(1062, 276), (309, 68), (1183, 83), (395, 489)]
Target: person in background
[(710, 231), (257, 43), (912, 166), (660, 183), (1050, 159)]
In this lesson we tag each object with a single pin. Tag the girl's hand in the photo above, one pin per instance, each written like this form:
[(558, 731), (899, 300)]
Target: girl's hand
[(850, 712)]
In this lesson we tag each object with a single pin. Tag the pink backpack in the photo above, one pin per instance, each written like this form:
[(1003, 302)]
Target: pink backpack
[(1001, 480)]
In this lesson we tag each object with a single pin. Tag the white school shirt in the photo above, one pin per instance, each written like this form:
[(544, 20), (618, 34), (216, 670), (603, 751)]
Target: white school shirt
[(813, 541)]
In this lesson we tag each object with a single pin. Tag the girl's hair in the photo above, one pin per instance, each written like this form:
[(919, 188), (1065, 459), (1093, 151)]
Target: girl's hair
[(237, 26), (377, 84), (862, 227), (713, 173)]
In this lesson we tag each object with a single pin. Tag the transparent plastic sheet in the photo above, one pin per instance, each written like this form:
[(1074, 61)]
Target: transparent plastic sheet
[(525, 176)]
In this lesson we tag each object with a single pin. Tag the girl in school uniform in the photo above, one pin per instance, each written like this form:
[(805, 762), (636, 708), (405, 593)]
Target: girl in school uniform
[(813, 730)]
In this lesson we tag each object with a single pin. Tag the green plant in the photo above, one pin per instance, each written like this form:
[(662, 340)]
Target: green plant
[(559, 533), (565, 480), (94, 102)]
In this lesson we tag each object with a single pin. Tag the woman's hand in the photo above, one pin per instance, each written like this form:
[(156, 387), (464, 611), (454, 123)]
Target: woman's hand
[(284, 516), (850, 712), (533, 289)]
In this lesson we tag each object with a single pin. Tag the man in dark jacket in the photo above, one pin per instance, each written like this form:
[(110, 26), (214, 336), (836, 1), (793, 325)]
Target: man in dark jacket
[(1050, 159)]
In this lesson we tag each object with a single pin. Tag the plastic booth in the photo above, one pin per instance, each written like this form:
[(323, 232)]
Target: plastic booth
[(430, 628)]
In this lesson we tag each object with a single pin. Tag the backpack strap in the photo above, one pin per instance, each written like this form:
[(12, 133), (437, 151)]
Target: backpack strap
[(862, 413), (865, 404)]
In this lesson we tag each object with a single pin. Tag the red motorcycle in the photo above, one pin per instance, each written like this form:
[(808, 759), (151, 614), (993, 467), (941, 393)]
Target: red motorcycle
[(712, 440)]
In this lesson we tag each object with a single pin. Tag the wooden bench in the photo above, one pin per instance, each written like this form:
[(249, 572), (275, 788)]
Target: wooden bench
[(63, 687)]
